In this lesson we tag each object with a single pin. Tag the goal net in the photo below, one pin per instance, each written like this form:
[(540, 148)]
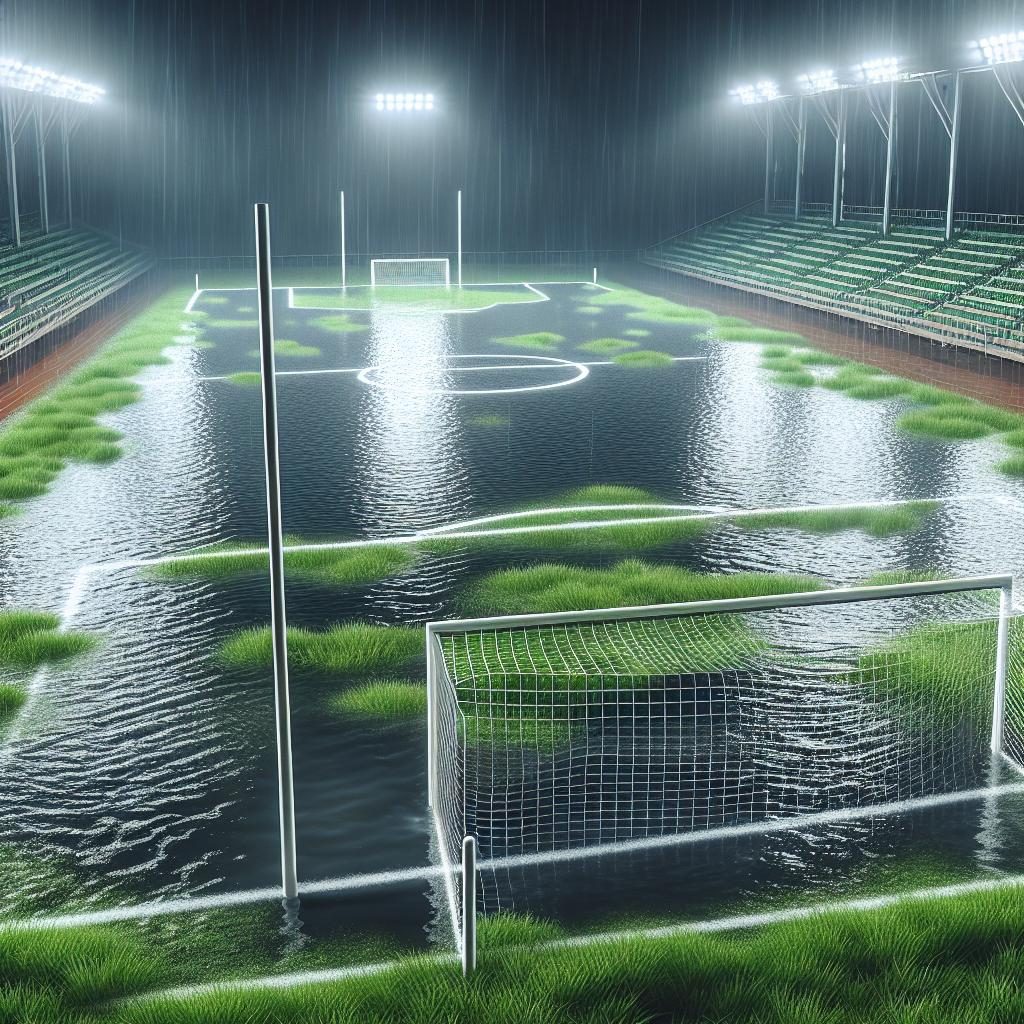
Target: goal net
[(410, 273), (551, 735)]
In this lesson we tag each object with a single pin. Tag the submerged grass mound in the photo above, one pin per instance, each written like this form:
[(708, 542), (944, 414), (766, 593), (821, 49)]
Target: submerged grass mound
[(883, 521), (338, 323), (29, 639), (794, 379), (604, 494), (961, 421), (542, 341), (608, 346), (653, 307), (383, 699), (555, 587), (762, 335), (890, 577), (1012, 467), (489, 419), (245, 379), (812, 357), (286, 347), (354, 648), (338, 566), (62, 427), (643, 359), (12, 699), (637, 332)]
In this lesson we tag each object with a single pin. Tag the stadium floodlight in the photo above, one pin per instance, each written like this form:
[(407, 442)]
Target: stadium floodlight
[(818, 81), (1005, 48), (763, 92), (404, 101), (28, 78), (879, 70)]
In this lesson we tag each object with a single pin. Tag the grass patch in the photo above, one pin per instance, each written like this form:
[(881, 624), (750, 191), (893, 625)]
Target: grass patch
[(1013, 466), (850, 376), (435, 299), (338, 566), (286, 347), (608, 346), (383, 699), (245, 379), (890, 577), (555, 587), (961, 421), (29, 639), (877, 522), (354, 648), (795, 379), (605, 494), (761, 335), (637, 332), (12, 699), (653, 308), (875, 388), (776, 352), (643, 359), (338, 323), (812, 357), (541, 341), (489, 419), (1015, 438)]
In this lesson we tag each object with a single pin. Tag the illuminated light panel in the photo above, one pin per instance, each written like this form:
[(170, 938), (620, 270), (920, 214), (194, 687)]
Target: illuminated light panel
[(763, 92), (818, 81), (1005, 48), (28, 78), (881, 69), (404, 101)]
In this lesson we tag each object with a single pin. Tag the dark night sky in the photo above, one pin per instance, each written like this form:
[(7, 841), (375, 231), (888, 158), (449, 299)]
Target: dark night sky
[(569, 124)]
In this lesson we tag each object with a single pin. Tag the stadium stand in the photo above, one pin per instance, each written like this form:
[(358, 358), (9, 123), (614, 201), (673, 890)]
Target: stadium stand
[(969, 289), (50, 279)]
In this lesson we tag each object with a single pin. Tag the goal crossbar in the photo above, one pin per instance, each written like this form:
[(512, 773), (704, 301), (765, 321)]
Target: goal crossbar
[(410, 272)]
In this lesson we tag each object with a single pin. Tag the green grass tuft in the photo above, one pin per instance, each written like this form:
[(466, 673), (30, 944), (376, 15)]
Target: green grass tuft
[(794, 379), (336, 566), (286, 347), (643, 359), (878, 522), (762, 335), (542, 341), (246, 379), (812, 357), (354, 648), (383, 698), (29, 639), (1012, 467), (338, 323), (1015, 438), (893, 576), (961, 421), (608, 346), (603, 494), (12, 699), (880, 387)]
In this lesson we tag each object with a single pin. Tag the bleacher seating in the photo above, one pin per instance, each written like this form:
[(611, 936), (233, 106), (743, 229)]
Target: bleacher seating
[(49, 279), (972, 286)]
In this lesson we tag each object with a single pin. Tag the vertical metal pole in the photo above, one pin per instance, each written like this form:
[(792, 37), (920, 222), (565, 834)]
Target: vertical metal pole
[(44, 204), (839, 175), (801, 149), (459, 266), (278, 618), (1002, 661), (12, 173), (954, 146), (65, 133), (431, 719), (341, 201), (890, 158), (468, 906), (768, 154)]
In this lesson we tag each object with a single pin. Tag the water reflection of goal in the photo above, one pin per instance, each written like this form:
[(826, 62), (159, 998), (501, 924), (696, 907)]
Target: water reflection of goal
[(555, 737)]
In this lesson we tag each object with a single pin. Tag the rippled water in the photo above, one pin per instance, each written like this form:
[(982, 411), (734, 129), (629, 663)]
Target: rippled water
[(153, 768)]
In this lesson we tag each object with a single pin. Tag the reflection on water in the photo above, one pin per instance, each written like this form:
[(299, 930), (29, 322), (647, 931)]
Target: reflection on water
[(151, 766)]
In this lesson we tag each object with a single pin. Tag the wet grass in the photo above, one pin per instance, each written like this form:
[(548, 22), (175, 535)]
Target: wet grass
[(350, 649), (1015, 439), (603, 494), (812, 357), (338, 323), (608, 346), (388, 699), (877, 522), (876, 388), (12, 699), (891, 577), (794, 379), (760, 335), (1012, 467), (653, 308), (29, 639), (489, 419), (246, 379), (333, 566), (643, 359), (292, 349), (556, 587), (950, 961), (540, 341), (961, 421), (412, 298)]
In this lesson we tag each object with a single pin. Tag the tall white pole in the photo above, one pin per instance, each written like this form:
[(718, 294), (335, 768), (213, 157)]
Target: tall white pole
[(890, 160), (954, 146), (801, 150), (459, 257), (839, 171), (341, 201), (278, 617), (1002, 661)]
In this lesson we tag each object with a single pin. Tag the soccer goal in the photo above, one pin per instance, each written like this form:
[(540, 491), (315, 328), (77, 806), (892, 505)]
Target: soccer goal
[(410, 273), (554, 735)]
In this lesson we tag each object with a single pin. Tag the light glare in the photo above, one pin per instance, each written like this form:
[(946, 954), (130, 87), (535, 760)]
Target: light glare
[(818, 81), (765, 91), (27, 78), (878, 70), (404, 101), (1005, 48)]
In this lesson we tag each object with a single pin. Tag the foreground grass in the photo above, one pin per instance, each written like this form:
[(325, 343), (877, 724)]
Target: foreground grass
[(62, 427), (384, 699), (951, 961), (354, 648), (338, 566), (29, 639)]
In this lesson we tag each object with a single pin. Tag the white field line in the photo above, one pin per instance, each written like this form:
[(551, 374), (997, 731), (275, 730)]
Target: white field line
[(191, 302), (411, 311), (459, 531), (737, 922)]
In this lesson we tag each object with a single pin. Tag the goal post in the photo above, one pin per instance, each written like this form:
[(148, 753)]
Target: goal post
[(555, 735), (410, 273)]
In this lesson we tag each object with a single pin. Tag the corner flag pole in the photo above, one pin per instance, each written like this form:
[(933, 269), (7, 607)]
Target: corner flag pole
[(278, 619)]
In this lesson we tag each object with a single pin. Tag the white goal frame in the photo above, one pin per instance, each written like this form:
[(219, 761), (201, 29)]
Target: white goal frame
[(442, 260), (440, 687)]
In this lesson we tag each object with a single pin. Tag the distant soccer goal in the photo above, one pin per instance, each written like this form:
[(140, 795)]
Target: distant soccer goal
[(410, 273), (552, 735)]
